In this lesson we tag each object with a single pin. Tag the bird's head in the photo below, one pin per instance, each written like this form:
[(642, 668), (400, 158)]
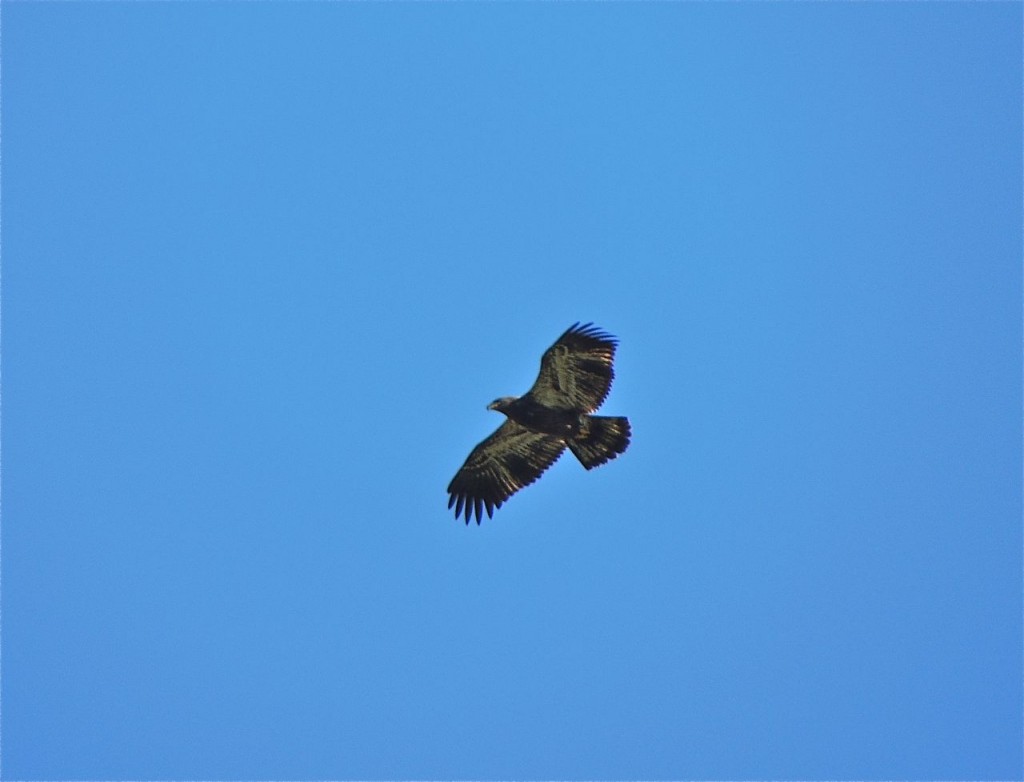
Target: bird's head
[(501, 404)]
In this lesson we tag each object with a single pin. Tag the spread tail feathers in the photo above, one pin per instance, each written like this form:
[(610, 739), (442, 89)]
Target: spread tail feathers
[(602, 438)]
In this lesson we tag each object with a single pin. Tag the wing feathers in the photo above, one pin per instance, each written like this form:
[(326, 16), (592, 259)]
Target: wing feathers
[(576, 372), (508, 460)]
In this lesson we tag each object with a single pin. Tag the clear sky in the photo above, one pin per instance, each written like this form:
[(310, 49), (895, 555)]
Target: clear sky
[(264, 266)]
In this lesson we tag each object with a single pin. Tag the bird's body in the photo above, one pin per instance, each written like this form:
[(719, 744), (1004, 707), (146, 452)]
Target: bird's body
[(527, 412), (575, 377)]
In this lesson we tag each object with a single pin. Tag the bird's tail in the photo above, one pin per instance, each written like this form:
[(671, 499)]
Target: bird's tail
[(601, 438)]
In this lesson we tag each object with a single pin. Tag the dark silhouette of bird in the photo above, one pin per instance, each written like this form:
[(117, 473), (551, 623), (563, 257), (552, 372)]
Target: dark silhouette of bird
[(575, 377)]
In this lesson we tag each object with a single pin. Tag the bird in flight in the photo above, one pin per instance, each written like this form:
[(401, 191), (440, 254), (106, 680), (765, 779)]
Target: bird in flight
[(575, 377)]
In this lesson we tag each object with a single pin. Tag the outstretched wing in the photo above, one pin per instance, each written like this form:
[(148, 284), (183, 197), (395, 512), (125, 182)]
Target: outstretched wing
[(508, 460), (576, 372)]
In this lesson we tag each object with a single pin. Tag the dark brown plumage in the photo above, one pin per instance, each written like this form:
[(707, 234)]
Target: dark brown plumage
[(575, 376)]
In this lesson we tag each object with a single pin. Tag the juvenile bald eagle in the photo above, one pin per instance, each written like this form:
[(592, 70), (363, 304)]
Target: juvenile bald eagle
[(575, 376)]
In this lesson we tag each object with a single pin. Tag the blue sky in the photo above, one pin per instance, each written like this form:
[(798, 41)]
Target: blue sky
[(265, 264)]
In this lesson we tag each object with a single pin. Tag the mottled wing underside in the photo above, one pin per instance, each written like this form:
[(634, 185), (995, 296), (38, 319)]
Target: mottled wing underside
[(508, 460), (576, 372)]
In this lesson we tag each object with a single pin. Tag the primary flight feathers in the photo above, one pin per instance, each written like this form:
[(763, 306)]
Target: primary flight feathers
[(575, 377)]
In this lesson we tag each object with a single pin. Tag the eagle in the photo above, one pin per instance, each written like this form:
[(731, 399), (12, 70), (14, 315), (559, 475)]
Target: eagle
[(575, 377)]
